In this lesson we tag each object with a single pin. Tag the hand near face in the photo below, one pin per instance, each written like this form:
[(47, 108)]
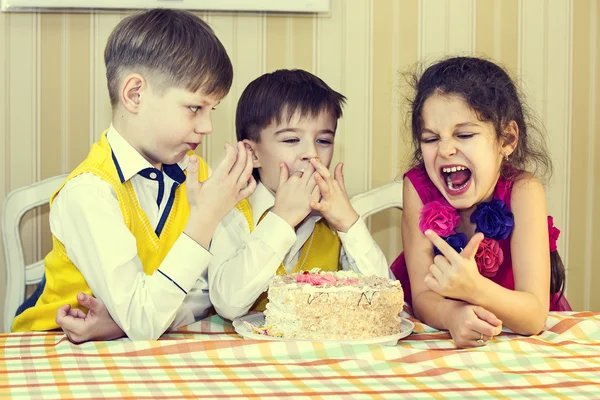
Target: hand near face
[(334, 203), (230, 183), (294, 194)]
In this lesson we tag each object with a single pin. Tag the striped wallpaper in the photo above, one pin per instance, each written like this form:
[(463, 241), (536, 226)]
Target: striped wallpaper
[(54, 102)]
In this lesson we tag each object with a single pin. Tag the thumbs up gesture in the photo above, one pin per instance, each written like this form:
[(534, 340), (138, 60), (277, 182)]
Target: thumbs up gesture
[(454, 274)]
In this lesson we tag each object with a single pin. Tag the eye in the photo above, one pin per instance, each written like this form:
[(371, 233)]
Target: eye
[(194, 109), (325, 142), (291, 140), (465, 135), (430, 139)]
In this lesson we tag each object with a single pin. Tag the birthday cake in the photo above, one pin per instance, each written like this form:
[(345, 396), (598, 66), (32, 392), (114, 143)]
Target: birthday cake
[(333, 305)]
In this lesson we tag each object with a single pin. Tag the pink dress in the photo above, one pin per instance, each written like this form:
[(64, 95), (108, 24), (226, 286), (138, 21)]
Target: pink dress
[(504, 277)]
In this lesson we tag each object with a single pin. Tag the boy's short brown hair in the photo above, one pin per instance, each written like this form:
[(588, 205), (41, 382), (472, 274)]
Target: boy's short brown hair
[(173, 47), (280, 94)]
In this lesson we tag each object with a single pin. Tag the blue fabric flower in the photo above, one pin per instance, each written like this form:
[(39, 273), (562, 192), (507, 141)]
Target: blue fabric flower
[(493, 219), (458, 241)]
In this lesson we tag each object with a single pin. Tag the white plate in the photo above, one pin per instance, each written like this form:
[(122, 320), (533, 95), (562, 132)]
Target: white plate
[(406, 328)]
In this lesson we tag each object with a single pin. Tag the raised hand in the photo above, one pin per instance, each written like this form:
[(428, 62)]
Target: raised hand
[(452, 274), (80, 327), (294, 194), (212, 199), (473, 326), (334, 204), (230, 183)]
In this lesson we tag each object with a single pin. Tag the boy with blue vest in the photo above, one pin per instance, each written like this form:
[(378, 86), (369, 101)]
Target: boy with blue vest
[(133, 222), (299, 216)]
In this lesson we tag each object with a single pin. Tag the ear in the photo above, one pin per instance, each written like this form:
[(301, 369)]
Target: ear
[(253, 149), (132, 88), (510, 138)]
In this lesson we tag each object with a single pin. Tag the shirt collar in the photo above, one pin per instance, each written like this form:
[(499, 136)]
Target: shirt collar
[(130, 163), (260, 201)]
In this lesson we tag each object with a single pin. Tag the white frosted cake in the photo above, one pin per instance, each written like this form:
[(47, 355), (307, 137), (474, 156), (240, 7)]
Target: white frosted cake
[(333, 305)]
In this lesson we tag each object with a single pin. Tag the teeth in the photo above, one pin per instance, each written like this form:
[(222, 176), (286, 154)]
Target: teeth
[(453, 169), (451, 185)]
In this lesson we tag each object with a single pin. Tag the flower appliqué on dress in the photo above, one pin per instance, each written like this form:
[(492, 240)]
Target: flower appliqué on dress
[(492, 218)]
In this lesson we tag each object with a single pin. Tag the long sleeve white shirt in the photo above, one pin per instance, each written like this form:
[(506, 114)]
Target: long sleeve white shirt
[(244, 263), (85, 217)]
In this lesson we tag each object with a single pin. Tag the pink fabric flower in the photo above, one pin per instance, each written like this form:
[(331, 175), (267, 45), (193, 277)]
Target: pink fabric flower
[(553, 234), (489, 257), (440, 218)]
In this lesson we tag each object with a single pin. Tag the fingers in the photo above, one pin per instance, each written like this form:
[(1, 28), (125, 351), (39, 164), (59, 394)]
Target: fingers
[(436, 272), (283, 174), (338, 174), (228, 161), (308, 174), (320, 168), (478, 339), (433, 283), (441, 262), (247, 172), (62, 313), (484, 328), (471, 248), (490, 318), (317, 206), (90, 302), (192, 172), (240, 161), (322, 184), (315, 202), (312, 182), (316, 193), (442, 246), (248, 190), (77, 313)]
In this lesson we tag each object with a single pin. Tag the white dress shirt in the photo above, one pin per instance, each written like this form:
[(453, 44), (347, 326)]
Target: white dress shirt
[(244, 263), (86, 218)]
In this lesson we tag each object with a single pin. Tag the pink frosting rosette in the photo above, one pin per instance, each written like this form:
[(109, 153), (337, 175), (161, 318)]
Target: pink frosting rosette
[(324, 279), (440, 218), (489, 257)]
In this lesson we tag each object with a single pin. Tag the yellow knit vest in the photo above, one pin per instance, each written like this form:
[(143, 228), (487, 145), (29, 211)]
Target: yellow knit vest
[(63, 279), (322, 250)]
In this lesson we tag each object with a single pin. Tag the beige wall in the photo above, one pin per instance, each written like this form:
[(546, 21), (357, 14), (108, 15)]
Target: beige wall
[(53, 99)]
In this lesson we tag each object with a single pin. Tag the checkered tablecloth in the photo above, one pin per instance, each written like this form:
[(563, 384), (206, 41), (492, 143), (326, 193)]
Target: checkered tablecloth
[(209, 360)]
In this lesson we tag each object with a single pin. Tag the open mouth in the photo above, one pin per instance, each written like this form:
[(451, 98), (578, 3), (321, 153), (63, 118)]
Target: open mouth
[(456, 177)]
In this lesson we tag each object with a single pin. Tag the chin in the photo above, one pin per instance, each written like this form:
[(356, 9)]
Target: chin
[(461, 202)]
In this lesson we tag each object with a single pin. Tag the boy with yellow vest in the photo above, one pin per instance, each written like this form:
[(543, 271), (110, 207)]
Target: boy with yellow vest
[(299, 216), (133, 222)]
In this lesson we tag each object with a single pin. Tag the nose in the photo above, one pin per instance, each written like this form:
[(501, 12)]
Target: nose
[(309, 151), (446, 148), (203, 125)]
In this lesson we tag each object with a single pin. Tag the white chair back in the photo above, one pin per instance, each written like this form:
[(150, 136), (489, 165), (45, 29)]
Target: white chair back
[(378, 199), (19, 275)]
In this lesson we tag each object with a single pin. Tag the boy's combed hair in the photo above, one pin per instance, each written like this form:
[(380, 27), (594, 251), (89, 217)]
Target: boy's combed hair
[(278, 95), (173, 47), (491, 93)]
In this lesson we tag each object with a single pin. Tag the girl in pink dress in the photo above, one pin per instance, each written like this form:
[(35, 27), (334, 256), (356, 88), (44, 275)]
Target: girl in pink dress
[(479, 248)]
